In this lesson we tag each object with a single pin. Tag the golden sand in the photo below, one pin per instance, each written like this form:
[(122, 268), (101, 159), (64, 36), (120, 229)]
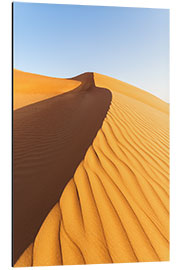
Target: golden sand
[(131, 91), (116, 207), (29, 88), (50, 139)]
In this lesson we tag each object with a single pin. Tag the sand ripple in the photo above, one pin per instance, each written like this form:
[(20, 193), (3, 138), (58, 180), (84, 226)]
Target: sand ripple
[(116, 206)]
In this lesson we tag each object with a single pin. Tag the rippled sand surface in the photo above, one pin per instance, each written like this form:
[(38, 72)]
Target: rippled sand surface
[(115, 207)]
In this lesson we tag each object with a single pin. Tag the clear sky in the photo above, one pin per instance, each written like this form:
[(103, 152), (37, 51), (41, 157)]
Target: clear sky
[(130, 44)]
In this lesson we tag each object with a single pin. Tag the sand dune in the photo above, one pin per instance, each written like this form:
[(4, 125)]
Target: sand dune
[(115, 208), (130, 91), (30, 88), (50, 139)]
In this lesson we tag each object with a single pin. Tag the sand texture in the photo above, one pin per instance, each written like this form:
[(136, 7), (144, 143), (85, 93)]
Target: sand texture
[(115, 206), (50, 138), (30, 88)]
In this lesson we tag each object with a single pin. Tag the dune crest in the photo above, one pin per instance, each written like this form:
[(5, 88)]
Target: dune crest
[(116, 206), (50, 139), (131, 91), (30, 88)]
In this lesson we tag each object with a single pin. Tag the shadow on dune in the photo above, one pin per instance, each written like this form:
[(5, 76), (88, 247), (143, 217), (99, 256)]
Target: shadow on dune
[(50, 138)]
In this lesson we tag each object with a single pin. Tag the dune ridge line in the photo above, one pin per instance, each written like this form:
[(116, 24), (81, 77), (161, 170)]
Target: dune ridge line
[(50, 138), (115, 207)]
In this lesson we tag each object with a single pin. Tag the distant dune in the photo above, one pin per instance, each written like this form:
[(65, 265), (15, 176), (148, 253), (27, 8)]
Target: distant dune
[(111, 202), (30, 88)]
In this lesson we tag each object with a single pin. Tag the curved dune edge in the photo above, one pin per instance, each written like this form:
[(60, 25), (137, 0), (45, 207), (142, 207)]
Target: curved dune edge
[(50, 139), (29, 88), (131, 91), (116, 207)]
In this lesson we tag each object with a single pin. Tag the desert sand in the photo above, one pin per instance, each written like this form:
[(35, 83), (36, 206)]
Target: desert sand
[(115, 205), (30, 88), (50, 138)]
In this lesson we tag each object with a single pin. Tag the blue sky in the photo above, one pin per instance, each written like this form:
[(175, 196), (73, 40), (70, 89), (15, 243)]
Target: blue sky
[(130, 44)]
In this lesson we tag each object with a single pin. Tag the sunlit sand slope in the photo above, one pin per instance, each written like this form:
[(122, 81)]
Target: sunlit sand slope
[(130, 91), (29, 88), (116, 206)]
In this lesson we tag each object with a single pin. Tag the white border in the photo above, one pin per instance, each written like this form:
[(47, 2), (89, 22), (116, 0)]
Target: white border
[(5, 131), (125, 3)]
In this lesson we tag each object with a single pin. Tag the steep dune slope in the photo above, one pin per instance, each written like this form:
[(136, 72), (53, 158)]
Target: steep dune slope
[(29, 88), (50, 138), (116, 206)]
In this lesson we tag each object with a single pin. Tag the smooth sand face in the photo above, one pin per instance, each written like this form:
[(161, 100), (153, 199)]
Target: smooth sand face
[(115, 208), (30, 88)]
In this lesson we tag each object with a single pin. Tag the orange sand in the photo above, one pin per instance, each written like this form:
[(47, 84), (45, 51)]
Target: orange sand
[(30, 88), (131, 91), (116, 206), (48, 145)]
